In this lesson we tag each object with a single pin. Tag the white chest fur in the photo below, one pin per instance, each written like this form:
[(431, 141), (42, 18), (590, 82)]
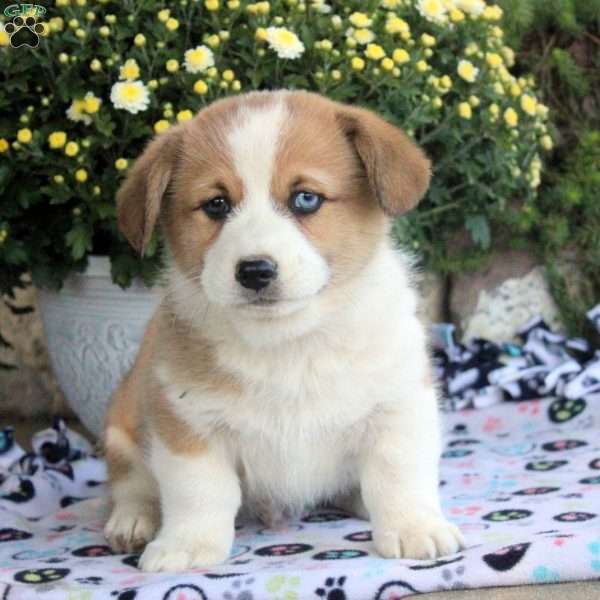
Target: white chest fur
[(298, 428)]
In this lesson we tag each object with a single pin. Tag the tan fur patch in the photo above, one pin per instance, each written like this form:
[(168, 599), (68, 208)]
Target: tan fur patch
[(349, 225)]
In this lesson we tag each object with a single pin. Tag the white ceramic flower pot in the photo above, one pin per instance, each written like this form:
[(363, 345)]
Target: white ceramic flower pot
[(93, 330)]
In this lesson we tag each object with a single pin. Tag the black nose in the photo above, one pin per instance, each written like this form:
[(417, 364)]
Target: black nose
[(256, 274)]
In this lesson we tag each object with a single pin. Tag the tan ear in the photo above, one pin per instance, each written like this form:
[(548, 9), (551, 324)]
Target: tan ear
[(140, 197), (397, 169)]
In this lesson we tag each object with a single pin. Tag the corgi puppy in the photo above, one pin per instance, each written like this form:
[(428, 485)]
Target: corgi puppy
[(285, 366)]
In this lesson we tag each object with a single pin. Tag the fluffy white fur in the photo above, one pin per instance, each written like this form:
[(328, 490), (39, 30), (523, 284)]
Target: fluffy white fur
[(337, 407)]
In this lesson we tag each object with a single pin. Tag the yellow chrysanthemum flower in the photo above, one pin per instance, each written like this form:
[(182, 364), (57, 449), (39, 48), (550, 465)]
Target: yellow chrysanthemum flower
[(456, 15), (95, 65), (57, 139), (172, 24), (360, 20), (474, 101), (4, 39), (374, 52), (198, 59), (72, 149), (81, 175), (515, 90), (358, 64), (494, 109), (130, 70), (528, 104), (492, 13), (396, 25), (228, 75), (24, 135), (163, 15), (493, 59), (471, 7), (211, 5), (511, 118), (233, 4), (172, 65), (422, 66), (467, 70), (139, 40), (464, 110), (236, 85), (285, 43), (161, 126), (363, 36), (132, 96), (433, 10), (184, 115), (427, 40), (200, 87), (121, 164), (387, 64), (213, 40), (546, 142), (261, 34), (400, 56)]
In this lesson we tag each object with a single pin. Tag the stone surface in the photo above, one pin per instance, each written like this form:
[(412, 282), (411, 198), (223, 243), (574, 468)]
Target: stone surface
[(432, 290), (497, 300), (30, 389)]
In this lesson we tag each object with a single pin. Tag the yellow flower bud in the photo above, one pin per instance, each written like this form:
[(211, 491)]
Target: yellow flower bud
[(121, 164), (358, 64), (211, 5), (228, 75), (400, 56), (163, 15), (161, 126), (184, 115), (546, 142), (72, 149), (81, 175), (4, 145), (236, 85), (24, 135), (57, 139), (387, 64), (200, 87), (464, 110), (58, 179), (172, 65), (139, 40)]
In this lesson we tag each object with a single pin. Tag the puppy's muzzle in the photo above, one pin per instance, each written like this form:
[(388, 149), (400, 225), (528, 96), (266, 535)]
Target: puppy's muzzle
[(256, 274)]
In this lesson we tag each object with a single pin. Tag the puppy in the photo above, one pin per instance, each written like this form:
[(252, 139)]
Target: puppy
[(285, 366)]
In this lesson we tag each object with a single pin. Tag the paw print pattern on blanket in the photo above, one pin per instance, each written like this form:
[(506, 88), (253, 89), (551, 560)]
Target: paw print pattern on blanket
[(521, 480)]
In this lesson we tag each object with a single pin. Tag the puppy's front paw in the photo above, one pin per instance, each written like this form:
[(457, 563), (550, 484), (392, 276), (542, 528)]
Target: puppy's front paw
[(130, 527), (417, 534), (168, 553)]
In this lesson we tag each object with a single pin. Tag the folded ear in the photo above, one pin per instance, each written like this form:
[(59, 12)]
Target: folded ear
[(140, 197), (397, 169)]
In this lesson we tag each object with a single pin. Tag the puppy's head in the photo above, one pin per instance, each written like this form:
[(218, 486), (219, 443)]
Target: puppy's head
[(267, 200)]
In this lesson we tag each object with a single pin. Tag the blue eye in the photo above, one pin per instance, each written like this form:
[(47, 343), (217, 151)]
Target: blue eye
[(305, 203)]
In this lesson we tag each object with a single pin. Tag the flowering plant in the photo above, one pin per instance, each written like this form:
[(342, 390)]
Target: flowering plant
[(107, 75)]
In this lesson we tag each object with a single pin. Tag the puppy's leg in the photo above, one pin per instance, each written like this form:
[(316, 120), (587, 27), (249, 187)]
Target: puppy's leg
[(200, 495), (399, 482), (135, 510)]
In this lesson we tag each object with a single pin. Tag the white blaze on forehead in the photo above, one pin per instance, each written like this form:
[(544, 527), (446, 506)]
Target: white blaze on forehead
[(253, 144)]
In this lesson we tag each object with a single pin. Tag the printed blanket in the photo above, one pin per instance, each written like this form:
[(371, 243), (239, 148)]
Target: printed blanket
[(521, 479), (522, 482)]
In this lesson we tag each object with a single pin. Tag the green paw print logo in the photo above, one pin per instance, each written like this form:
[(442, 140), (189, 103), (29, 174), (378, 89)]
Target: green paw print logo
[(37, 576), (499, 516), (563, 410), (283, 588)]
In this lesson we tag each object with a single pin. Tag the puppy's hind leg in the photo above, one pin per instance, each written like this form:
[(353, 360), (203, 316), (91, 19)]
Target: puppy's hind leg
[(135, 514)]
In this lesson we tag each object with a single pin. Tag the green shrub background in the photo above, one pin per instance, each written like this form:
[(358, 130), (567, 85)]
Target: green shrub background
[(485, 140)]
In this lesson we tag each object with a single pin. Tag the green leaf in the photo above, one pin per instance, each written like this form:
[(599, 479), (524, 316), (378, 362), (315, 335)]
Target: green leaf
[(479, 228)]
